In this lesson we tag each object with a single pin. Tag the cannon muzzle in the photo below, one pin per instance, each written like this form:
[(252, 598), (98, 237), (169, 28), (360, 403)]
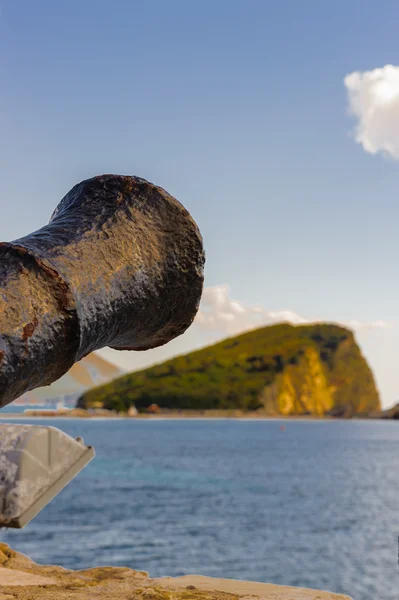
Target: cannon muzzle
[(120, 264)]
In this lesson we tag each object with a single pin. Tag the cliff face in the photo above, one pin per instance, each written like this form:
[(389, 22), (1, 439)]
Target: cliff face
[(282, 370), (301, 388)]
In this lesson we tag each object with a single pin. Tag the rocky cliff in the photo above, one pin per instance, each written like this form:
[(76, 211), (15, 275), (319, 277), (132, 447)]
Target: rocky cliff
[(279, 370)]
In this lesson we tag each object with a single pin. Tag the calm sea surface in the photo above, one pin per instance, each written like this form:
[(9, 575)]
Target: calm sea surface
[(316, 505)]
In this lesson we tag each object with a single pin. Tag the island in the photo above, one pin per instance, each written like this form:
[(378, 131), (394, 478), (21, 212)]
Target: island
[(281, 370)]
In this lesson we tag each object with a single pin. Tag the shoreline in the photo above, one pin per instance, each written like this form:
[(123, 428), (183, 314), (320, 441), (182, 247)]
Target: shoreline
[(173, 415)]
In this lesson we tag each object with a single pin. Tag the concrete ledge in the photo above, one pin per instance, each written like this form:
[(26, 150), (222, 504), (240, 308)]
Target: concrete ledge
[(22, 579)]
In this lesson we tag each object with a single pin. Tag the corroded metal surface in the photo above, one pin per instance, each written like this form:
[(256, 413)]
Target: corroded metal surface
[(120, 264)]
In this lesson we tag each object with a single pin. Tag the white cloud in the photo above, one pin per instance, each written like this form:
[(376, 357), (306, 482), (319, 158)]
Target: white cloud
[(358, 325), (374, 101), (221, 315)]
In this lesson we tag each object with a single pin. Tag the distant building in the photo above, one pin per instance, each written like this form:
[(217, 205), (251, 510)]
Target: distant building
[(132, 412)]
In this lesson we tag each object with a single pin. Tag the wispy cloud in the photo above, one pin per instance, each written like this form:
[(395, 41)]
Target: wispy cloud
[(359, 325), (374, 101), (220, 315)]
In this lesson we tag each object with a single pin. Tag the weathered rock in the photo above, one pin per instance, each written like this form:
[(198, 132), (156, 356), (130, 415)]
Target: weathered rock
[(21, 579), (120, 264), (389, 413)]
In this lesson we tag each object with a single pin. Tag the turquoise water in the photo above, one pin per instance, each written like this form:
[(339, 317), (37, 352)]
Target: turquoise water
[(316, 505)]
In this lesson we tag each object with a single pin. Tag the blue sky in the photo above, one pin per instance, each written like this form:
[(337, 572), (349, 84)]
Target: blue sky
[(237, 108)]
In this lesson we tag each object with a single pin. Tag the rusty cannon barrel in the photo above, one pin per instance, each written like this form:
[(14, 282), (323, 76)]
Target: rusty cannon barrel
[(120, 264)]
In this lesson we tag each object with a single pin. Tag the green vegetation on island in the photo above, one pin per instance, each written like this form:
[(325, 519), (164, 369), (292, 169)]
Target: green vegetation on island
[(279, 370)]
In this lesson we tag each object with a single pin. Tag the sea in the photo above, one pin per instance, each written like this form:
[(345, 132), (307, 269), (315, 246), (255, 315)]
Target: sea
[(302, 503)]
